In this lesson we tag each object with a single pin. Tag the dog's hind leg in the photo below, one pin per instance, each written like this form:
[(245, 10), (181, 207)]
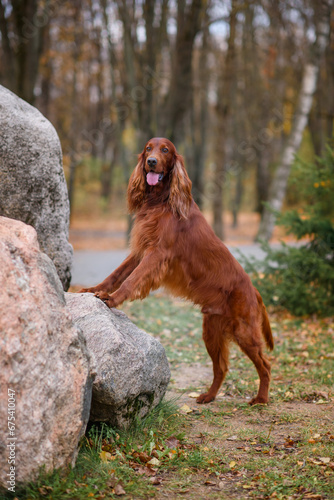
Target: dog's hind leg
[(249, 339), (217, 347)]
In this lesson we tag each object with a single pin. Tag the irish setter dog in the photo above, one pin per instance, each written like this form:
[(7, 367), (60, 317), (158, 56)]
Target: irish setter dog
[(173, 246)]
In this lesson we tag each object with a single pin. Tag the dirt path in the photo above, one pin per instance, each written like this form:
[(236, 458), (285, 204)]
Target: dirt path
[(242, 435)]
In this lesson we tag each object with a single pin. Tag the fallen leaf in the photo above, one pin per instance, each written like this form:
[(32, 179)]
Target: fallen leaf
[(185, 409), (325, 460), (313, 461), (119, 490), (143, 457), (209, 483), (141, 470), (323, 394), (105, 456), (154, 461), (232, 438), (194, 395), (232, 464), (172, 442), (155, 480)]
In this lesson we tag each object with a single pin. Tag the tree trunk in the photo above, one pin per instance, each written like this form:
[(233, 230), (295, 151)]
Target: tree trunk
[(309, 82), (237, 201), (200, 118), (223, 113), (23, 50), (74, 115), (179, 96)]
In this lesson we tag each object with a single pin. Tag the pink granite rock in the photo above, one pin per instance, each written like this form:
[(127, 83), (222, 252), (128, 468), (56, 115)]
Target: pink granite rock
[(45, 374)]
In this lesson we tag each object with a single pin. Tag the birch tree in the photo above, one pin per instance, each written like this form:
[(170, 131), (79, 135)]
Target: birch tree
[(308, 87)]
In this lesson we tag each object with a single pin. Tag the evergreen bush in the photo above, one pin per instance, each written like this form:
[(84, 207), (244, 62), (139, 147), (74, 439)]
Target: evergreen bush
[(300, 278)]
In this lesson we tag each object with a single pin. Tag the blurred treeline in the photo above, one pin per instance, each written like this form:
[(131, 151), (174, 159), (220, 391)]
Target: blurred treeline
[(222, 79)]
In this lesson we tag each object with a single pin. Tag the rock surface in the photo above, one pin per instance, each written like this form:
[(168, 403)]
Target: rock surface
[(44, 362), (132, 368), (33, 187)]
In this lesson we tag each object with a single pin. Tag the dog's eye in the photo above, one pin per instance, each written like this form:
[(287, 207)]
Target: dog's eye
[(148, 148), (164, 150)]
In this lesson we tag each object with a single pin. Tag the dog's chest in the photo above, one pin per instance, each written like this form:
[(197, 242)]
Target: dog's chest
[(146, 233)]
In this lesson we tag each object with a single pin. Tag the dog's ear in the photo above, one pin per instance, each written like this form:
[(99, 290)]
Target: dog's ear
[(180, 190), (137, 186)]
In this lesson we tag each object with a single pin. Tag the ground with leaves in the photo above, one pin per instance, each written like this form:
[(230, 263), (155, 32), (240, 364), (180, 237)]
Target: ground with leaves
[(226, 449)]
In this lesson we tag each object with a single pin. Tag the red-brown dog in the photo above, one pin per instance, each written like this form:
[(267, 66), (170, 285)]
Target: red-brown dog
[(173, 246)]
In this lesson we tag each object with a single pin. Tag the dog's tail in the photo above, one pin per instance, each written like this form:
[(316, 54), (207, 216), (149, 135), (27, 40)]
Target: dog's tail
[(266, 329)]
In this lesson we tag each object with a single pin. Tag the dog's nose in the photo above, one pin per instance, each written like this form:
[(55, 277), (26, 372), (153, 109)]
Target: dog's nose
[(151, 162)]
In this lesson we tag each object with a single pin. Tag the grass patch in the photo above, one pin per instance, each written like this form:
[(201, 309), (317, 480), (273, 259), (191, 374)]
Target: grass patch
[(224, 450)]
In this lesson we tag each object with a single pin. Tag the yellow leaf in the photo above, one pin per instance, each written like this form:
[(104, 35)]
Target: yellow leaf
[(232, 464), (105, 456), (325, 460), (194, 395), (185, 409)]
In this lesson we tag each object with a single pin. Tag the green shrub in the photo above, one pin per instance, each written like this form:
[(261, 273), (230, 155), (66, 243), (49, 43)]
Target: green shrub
[(301, 278)]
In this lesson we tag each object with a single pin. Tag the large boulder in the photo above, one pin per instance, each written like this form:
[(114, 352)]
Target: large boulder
[(131, 366), (45, 375), (33, 187)]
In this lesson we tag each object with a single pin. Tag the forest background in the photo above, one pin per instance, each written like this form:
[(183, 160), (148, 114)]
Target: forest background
[(239, 86)]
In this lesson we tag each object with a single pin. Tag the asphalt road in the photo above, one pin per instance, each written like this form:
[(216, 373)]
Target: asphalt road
[(90, 268)]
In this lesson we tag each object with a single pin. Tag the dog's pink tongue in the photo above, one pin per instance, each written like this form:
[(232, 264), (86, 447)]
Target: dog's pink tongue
[(152, 178)]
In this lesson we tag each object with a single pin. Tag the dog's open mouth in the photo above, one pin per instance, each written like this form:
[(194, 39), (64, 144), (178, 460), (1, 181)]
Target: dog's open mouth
[(153, 178)]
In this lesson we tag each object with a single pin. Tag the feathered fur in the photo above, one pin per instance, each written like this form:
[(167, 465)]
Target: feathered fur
[(173, 246)]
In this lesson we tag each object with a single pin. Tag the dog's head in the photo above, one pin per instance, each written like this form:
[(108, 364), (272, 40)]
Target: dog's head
[(160, 167)]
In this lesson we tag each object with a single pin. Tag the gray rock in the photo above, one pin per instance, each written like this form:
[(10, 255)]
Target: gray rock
[(33, 187), (132, 368), (45, 375)]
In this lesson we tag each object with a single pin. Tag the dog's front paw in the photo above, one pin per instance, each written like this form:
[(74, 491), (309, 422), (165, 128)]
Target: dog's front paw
[(205, 398), (102, 295)]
